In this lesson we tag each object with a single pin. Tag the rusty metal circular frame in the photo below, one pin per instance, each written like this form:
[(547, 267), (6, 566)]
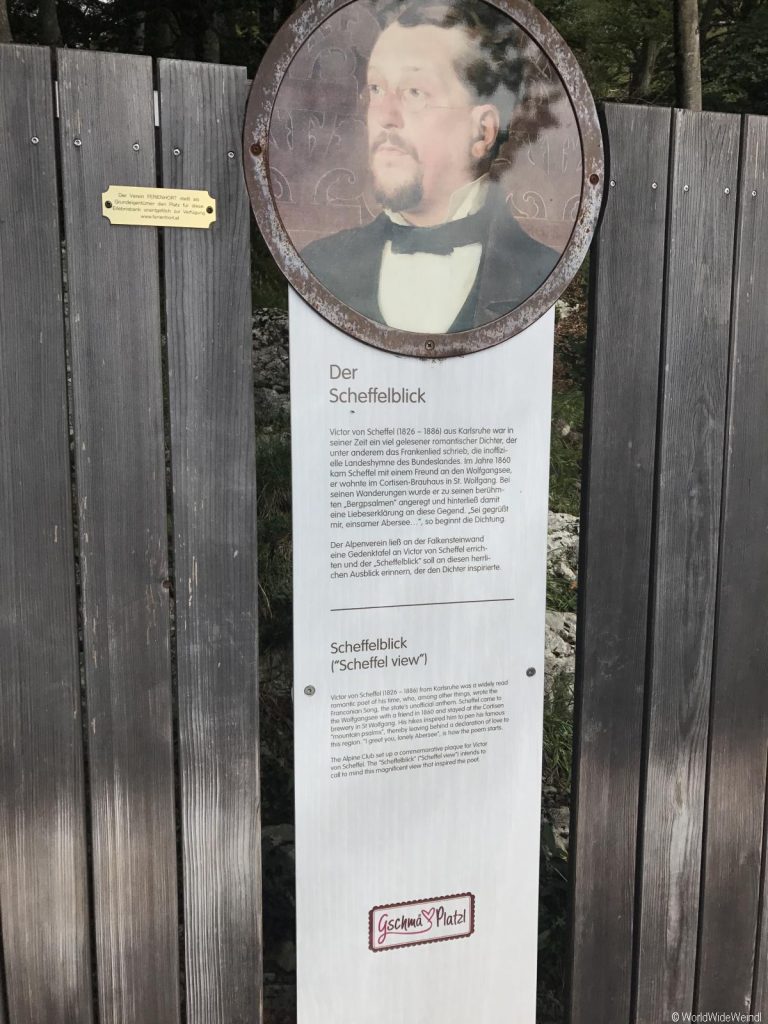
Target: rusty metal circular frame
[(286, 44)]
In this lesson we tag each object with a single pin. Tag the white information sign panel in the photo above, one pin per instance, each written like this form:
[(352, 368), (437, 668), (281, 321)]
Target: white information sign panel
[(420, 514)]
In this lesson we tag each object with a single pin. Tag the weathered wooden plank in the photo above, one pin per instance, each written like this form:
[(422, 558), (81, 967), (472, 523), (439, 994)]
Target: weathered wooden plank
[(214, 501), (106, 105), (3, 997), (43, 874), (698, 302), (626, 318), (739, 733), (760, 987)]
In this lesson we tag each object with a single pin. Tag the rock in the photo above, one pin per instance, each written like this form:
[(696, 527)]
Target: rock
[(559, 645), (563, 546), (565, 309), (276, 671), (270, 366), (559, 818)]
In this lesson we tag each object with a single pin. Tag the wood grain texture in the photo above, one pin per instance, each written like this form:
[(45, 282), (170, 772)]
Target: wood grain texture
[(43, 880), (760, 986), (214, 503), (698, 301), (626, 316), (739, 723), (3, 998), (106, 102)]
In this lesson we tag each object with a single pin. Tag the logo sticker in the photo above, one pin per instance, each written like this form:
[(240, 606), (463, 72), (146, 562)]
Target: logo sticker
[(420, 921)]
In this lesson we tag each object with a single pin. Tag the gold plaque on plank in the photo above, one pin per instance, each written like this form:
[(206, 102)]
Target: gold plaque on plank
[(158, 207)]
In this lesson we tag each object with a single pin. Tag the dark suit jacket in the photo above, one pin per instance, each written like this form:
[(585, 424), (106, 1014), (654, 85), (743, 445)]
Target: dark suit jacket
[(512, 267)]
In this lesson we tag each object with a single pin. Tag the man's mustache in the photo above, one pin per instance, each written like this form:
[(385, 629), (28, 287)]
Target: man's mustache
[(393, 139)]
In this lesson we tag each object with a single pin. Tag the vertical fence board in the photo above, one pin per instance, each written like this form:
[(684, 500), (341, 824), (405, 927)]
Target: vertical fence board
[(626, 319), (760, 989), (738, 742), (698, 300), (214, 502), (106, 102), (43, 880), (3, 996)]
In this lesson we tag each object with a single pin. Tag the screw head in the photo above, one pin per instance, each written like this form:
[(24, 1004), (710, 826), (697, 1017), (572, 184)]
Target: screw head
[(310, 691), (209, 209), (34, 140), (108, 205), (530, 672), (613, 183), (136, 147), (177, 152), (231, 154), (686, 188), (256, 149), (726, 191), (429, 346), (77, 142), (754, 193), (655, 185)]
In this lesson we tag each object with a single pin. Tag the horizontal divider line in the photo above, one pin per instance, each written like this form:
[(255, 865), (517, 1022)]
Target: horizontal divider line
[(426, 604)]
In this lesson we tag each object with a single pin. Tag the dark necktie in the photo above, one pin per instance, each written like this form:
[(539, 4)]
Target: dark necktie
[(441, 239)]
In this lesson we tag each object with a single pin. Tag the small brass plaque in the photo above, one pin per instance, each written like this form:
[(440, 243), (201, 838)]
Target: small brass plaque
[(158, 207)]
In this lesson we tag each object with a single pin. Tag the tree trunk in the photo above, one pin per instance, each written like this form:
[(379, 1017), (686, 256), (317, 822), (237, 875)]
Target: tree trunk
[(139, 32), (211, 45), (5, 25), (49, 31), (688, 54), (642, 72), (161, 33)]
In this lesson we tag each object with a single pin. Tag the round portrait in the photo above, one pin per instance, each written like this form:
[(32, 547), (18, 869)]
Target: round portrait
[(427, 174)]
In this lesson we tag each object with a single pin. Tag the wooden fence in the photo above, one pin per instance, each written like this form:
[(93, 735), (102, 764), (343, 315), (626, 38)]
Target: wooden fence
[(672, 714), (129, 791), (134, 766)]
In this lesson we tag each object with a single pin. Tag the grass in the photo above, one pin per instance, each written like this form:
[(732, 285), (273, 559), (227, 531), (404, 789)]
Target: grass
[(558, 738), (565, 451)]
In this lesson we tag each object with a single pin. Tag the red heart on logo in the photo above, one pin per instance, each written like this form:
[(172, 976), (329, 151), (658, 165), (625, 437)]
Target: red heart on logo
[(428, 914)]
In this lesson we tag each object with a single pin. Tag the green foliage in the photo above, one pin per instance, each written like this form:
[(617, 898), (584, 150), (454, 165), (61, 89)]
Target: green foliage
[(553, 928), (273, 475), (553, 865), (607, 37), (625, 47), (268, 286), (568, 403), (565, 451), (558, 736), (735, 58), (561, 595), (273, 469)]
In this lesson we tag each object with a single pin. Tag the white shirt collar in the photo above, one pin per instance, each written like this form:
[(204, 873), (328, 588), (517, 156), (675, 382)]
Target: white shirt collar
[(464, 201)]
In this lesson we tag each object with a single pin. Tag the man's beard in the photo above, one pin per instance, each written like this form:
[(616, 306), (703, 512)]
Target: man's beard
[(398, 198), (400, 195)]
